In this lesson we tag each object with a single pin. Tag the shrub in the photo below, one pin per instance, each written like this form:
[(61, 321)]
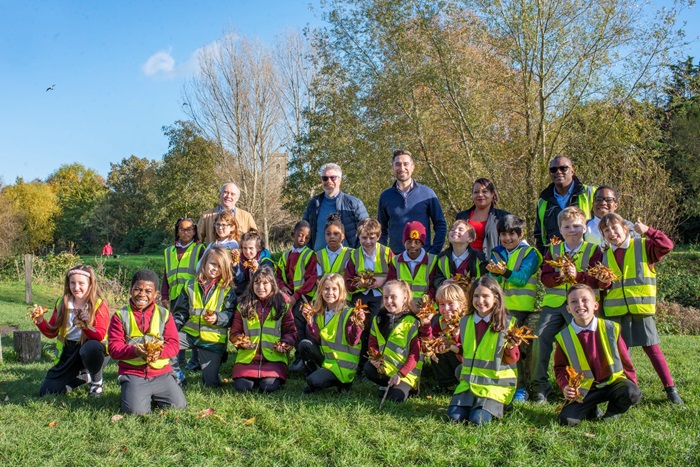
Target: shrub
[(672, 318)]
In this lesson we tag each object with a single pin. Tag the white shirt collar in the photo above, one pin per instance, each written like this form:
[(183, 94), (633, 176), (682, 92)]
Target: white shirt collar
[(297, 250), (625, 244), (478, 319), (407, 259), (461, 257), (592, 326), (369, 255), (180, 245), (567, 250)]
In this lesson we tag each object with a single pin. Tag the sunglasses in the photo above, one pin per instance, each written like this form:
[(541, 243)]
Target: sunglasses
[(608, 200), (563, 169), (332, 178)]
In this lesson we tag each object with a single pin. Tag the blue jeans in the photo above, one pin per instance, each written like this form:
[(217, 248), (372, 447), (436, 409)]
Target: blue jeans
[(475, 416)]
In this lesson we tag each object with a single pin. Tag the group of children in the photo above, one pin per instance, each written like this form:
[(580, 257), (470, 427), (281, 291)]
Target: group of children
[(345, 314)]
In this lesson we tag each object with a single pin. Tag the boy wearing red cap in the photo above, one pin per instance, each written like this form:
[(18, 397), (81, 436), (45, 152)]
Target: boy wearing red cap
[(415, 265)]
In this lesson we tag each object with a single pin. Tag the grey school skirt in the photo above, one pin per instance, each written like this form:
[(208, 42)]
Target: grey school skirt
[(637, 330)]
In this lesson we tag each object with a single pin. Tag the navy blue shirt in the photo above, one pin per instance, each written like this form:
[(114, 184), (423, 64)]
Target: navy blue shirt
[(326, 208), (419, 204)]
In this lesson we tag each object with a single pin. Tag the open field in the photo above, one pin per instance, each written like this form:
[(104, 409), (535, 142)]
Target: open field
[(289, 428)]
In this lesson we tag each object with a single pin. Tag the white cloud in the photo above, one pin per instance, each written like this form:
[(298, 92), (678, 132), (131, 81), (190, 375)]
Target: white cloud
[(159, 63)]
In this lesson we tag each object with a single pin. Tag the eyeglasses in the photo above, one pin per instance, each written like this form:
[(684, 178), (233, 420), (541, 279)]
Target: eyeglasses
[(608, 200), (221, 226), (563, 169), (332, 178), (188, 229)]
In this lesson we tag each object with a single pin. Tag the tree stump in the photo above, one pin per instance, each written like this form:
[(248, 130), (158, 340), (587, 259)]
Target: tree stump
[(27, 345)]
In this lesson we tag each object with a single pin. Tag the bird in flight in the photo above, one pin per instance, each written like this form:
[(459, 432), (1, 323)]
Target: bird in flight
[(50, 88)]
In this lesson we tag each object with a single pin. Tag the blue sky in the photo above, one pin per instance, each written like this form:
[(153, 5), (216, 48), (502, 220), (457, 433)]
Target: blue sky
[(119, 68)]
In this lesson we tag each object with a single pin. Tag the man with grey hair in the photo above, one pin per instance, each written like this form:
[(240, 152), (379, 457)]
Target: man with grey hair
[(332, 200), (228, 197)]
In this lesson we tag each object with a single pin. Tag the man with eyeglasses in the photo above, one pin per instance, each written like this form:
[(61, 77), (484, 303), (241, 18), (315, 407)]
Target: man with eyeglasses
[(331, 201), (406, 201), (565, 190), (228, 197)]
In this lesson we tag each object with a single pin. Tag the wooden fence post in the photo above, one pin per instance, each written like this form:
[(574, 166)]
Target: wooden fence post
[(27, 345), (28, 279)]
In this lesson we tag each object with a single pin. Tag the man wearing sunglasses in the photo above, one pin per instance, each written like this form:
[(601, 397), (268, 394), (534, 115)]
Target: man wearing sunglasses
[(565, 190), (331, 201), (228, 197)]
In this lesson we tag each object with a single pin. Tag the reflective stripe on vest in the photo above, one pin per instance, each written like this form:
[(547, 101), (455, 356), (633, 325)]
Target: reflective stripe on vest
[(155, 331), (483, 372), (444, 265), (381, 262), (178, 274), (555, 297), (420, 281), (62, 333), (396, 348), (339, 263), (519, 298), (584, 201), (299, 268), (635, 292), (340, 357), (196, 326), (609, 333), (264, 338)]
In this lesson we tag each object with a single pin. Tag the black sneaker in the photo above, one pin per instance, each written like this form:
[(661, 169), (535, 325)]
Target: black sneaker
[(538, 398), (309, 390), (673, 396), (344, 387)]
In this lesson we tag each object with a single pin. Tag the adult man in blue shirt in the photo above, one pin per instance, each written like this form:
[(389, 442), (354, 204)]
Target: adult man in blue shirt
[(406, 201), (565, 190), (332, 200)]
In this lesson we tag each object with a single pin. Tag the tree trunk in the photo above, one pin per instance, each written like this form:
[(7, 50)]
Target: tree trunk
[(27, 345)]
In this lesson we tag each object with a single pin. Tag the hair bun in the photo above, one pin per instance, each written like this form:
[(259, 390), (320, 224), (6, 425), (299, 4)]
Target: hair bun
[(335, 217)]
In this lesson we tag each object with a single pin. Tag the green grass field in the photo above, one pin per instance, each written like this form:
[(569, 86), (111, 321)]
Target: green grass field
[(289, 428)]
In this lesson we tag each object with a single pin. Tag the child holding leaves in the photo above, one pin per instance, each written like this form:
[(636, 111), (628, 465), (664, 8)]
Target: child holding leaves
[(203, 313), (332, 351), (394, 345), (79, 323), (264, 333), (143, 338), (489, 375)]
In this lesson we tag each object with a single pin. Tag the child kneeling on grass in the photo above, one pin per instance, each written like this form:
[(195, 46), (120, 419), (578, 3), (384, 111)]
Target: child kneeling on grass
[(332, 351), (594, 347), (143, 338), (79, 324)]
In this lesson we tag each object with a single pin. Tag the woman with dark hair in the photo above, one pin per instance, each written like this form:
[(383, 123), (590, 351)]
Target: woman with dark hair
[(483, 215)]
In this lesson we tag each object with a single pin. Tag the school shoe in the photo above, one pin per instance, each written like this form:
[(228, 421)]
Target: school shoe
[(96, 389), (297, 365), (344, 387), (193, 367), (521, 395), (538, 398), (673, 396), (180, 377), (309, 390)]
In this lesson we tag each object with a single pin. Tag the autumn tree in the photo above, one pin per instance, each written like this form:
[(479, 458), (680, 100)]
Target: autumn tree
[(131, 205), (10, 227), (36, 205), (188, 180), (79, 191)]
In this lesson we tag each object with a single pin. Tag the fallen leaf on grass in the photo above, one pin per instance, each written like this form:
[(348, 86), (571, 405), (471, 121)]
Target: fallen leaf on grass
[(52, 424), (205, 413), (64, 405), (225, 380), (249, 422), (532, 429), (588, 435), (428, 397), (115, 418)]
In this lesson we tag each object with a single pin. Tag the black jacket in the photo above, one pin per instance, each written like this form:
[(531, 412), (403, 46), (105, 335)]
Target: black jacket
[(491, 238)]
